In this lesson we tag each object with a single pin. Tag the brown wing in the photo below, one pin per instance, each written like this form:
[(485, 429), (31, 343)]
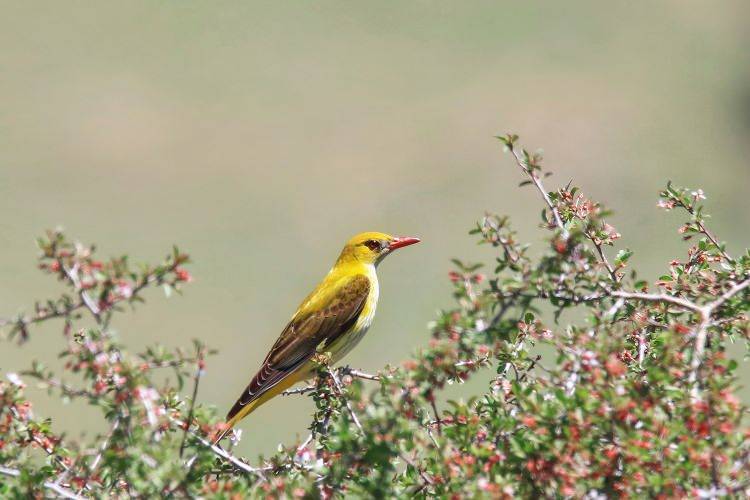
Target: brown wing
[(317, 321)]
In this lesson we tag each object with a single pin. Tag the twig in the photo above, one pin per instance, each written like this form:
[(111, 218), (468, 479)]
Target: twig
[(299, 390), (657, 297), (437, 415), (701, 335), (361, 374), (737, 288), (641, 346), (104, 446), (52, 455), (472, 362), (321, 481), (523, 164), (712, 238), (60, 490), (603, 258), (339, 389), (72, 275), (612, 311), (305, 443), (196, 382), (24, 321), (174, 363), (703, 229), (345, 370), (425, 477), (701, 332), (222, 453), (65, 389)]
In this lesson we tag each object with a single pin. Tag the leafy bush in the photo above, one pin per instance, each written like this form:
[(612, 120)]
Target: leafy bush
[(599, 383)]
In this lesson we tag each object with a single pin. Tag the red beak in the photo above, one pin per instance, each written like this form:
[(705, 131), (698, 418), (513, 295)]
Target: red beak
[(402, 242)]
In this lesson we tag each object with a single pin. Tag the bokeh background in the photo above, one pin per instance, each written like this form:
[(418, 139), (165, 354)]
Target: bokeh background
[(259, 136)]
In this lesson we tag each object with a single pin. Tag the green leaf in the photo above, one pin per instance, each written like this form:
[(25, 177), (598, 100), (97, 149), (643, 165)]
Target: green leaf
[(622, 257)]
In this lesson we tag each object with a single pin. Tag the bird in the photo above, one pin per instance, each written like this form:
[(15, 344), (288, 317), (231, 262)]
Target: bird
[(332, 319)]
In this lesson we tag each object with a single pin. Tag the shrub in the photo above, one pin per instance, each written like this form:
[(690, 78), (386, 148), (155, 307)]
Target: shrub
[(600, 384)]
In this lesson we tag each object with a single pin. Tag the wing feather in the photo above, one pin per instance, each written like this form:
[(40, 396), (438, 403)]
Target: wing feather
[(320, 320)]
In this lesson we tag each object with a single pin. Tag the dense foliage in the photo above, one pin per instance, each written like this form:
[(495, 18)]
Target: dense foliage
[(599, 384)]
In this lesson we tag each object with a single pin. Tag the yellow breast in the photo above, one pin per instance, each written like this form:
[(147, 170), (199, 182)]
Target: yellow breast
[(350, 339)]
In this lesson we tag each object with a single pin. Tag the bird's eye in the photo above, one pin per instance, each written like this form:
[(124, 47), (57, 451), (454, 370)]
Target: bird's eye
[(373, 245)]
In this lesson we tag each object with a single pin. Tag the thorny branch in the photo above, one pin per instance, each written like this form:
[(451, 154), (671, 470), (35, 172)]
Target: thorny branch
[(603, 259), (699, 222), (340, 391), (360, 374), (299, 390), (705, 313), (191, 411), (220, 452), (701, 334), (72, 275), (343, 370), (64, 388), (46, 313), (529, 171), (104, 446), (60, 490), (657, 297)]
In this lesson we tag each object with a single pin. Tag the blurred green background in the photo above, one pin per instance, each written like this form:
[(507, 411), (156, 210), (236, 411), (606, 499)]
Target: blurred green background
[(259, 136)]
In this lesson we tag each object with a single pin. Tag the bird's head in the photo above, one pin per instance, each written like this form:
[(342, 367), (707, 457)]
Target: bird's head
[(372, 247)]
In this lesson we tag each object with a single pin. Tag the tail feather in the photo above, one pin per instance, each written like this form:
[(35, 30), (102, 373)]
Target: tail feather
[(235, 415), (240, 411), (222, 435)]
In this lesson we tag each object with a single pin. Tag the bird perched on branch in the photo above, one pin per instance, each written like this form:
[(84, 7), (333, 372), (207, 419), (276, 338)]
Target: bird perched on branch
[(332, 319)]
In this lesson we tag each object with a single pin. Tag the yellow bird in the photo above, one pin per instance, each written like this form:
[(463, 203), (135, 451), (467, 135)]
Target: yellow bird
[(332, 319)]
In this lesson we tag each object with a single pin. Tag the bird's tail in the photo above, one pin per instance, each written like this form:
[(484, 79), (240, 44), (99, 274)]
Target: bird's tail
[(232, 421), (240, 411), (222, 435)]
